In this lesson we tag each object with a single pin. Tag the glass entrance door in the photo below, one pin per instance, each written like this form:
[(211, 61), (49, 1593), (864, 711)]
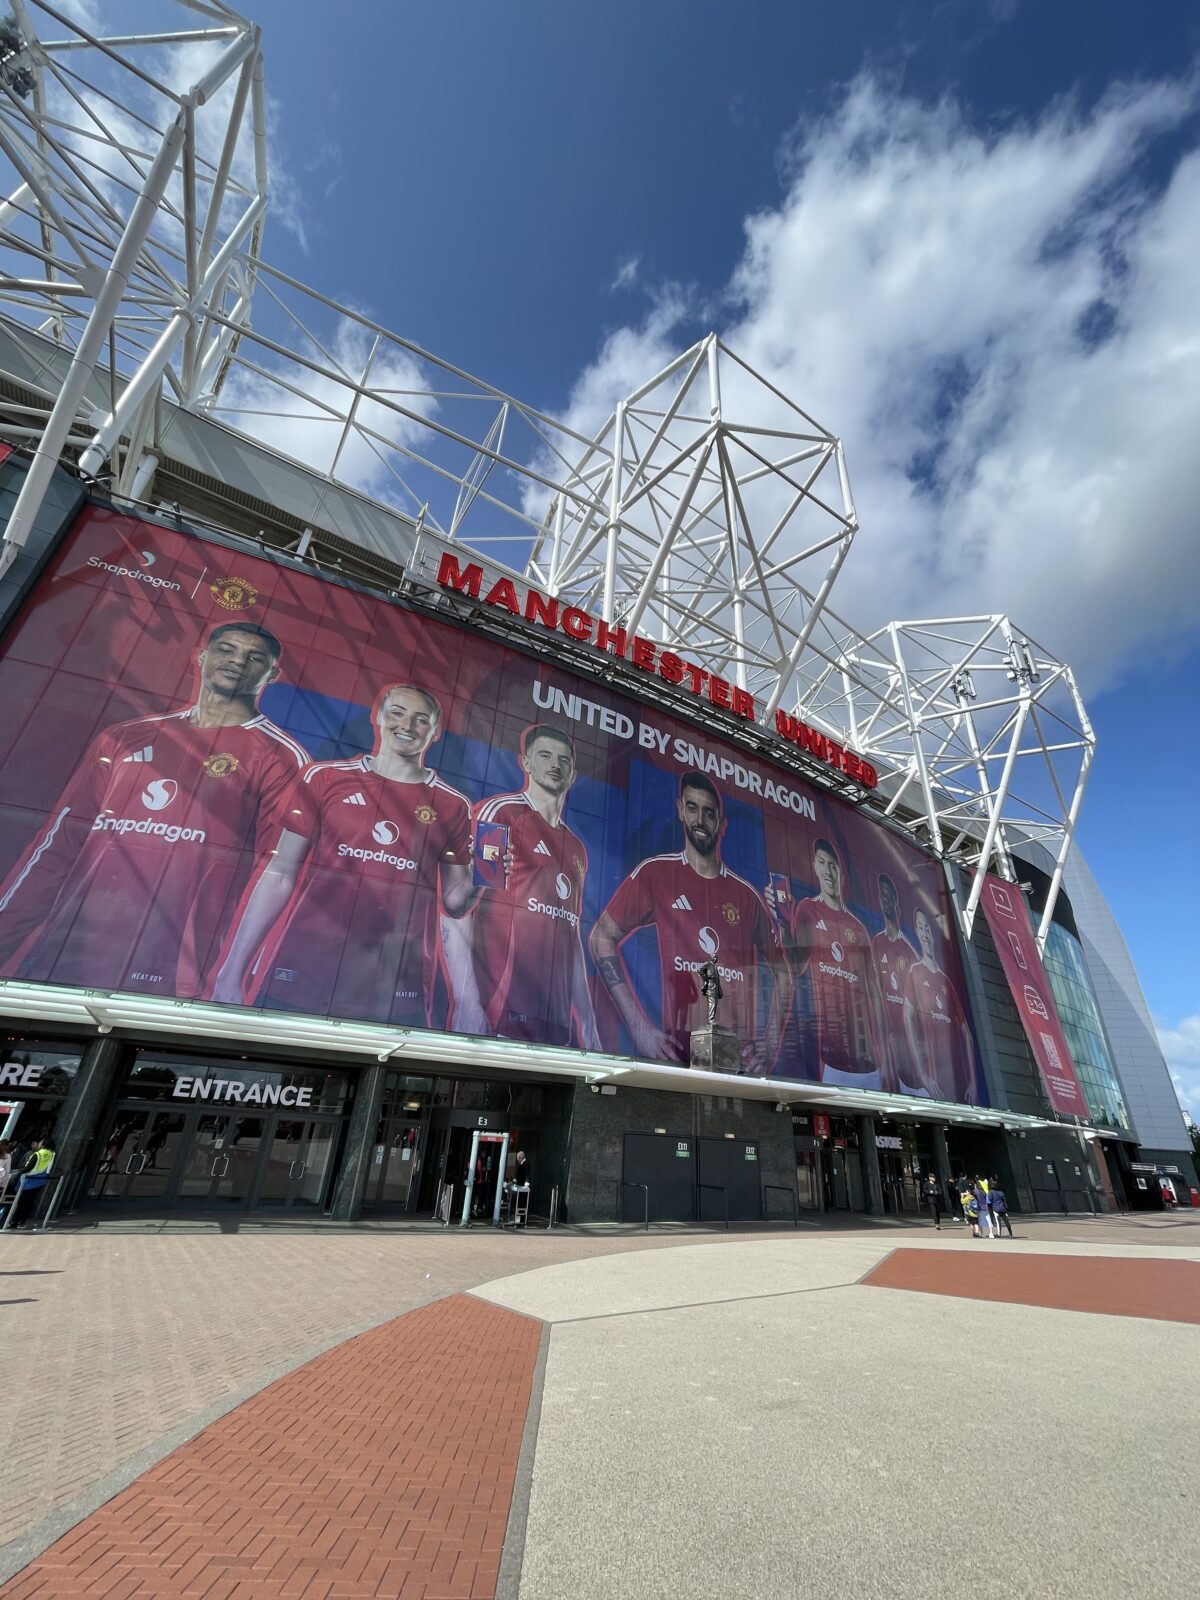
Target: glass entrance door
[(141, 1155), (221, 1161), (396, 1164), (297, 1164)]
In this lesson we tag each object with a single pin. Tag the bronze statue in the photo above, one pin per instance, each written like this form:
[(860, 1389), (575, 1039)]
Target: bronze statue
[(710, 988)]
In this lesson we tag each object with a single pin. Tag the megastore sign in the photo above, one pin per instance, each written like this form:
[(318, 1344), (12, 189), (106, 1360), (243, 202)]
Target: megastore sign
[(251, 785)]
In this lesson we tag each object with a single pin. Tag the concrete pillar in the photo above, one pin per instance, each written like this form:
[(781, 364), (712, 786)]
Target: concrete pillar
[(101, 1068), (941, 1158), (868, 1155), (360, 1143)]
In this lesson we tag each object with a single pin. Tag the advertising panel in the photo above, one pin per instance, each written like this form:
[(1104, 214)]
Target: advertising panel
[(227, 778), (1008, 918)]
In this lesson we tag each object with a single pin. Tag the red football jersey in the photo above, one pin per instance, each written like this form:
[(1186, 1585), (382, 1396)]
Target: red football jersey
[(527, 936), (134, 880), (360, 937), (834, 949), (694, 919), (893, 958), (939, 1026)]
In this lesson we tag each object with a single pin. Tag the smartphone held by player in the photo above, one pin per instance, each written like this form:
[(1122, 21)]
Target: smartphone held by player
[(487, 858), (781, 890)]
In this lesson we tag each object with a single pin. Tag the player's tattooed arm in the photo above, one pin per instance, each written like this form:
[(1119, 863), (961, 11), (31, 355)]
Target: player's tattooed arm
[(612, 970)]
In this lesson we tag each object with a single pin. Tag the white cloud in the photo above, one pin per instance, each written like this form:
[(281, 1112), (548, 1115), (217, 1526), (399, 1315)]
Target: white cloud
[(1001, 327), (626, 275), (1181, 1047)]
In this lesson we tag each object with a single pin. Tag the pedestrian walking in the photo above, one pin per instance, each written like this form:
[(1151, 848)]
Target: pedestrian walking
[(970, 1207), (983, 1205), (999, 1202), (933, 1199)]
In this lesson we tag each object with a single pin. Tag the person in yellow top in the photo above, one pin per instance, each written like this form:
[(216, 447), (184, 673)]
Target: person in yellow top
[(34, 1176)]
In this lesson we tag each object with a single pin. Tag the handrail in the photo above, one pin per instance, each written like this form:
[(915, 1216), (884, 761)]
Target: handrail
[(645, 1188), (720, 1187), (782, 1188)]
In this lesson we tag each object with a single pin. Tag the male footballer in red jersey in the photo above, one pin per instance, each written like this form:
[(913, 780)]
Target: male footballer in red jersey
[(526, 937), (893, 958), (699, 910), (133, 882), (343, 919), (833, 948), (937, 1027)]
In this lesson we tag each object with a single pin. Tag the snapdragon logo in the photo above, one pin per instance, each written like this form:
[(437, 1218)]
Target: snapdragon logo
[(157, 796), (132, 572), (563, 884), (837, 972), (710, 941), (563, 913), (385, 833), (170, 832), (353, 853), (728, 974)]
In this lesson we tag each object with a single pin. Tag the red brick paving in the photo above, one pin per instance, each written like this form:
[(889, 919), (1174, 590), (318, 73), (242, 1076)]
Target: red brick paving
[(1167, 1291), (383, 1468)]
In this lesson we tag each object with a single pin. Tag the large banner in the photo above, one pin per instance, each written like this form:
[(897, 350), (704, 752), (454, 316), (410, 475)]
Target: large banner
[(225, 778), (1008, 918)]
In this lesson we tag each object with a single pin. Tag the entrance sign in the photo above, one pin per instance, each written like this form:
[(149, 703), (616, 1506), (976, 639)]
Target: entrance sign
[(232, 1091), (1008, 918)]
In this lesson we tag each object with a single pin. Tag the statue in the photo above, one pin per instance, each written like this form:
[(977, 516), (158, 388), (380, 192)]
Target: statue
[(710, 988)]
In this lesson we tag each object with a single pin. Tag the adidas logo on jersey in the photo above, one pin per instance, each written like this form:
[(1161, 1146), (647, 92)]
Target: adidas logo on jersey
[(353, 800), (146, 753), (821, 924), (540, 849), (682, 904)]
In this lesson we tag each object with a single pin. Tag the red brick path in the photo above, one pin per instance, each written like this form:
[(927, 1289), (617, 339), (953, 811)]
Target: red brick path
[(383, 1468), (1168, 1291)]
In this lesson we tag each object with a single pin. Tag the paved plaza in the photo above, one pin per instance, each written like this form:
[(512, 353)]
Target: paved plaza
[(325, 1414)]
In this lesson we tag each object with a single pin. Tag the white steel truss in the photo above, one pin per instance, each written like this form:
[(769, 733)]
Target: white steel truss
[(709, 511)]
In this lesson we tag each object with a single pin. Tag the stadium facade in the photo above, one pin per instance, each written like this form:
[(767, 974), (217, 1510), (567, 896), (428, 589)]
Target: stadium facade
[(393, 778)]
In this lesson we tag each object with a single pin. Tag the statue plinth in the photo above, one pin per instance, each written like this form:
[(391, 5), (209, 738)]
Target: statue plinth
[(715, 1049)]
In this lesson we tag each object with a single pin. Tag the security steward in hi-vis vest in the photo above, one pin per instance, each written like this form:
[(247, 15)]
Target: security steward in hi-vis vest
[(33, 1180)]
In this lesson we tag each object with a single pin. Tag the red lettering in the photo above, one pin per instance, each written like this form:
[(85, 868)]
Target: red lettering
[(503, 594), (576, 622), (833, 754), (868, 775), (787, 726), (539, 609), (643, 654), (696, 676), (670, 667), (850, 764), (718, 690), (615, 636), (809, 739), (465, 579), (743, 704)]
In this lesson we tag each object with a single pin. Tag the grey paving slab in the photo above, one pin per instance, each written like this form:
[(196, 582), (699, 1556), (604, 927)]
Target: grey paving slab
[(858, 1442)]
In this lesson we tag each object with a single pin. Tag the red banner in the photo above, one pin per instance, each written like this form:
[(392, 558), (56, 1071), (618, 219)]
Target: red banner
[(1008, 918)]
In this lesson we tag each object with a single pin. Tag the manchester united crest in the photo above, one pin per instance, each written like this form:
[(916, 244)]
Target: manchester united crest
[(220, 766), (731, 913), (426, 814), (233, 594), (578, 865)]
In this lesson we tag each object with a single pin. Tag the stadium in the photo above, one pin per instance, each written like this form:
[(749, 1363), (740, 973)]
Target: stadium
[(357, 838)]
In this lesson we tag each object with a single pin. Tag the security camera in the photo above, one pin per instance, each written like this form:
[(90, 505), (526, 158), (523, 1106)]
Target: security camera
[(594, 1087)]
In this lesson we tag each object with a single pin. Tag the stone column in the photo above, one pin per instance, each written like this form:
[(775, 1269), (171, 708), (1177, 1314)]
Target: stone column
[(351, 1186), (868, 1155), (941, 1159), (96, 1082)]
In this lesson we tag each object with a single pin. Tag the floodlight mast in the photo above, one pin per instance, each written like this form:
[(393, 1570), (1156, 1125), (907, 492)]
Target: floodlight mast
[(708, 511)]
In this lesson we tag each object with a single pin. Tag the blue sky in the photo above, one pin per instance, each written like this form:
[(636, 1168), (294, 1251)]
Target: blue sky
[(962, 233)]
